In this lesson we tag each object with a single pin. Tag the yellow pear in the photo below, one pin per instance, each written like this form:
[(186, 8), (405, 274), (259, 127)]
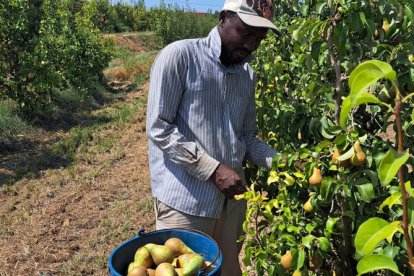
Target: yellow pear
[(179, 271), (138, 271), (316, 177), (151, 272), (178, 247), (286, 260), (359, 157), (385, 25), (160, 253), (335, 155), (165, 269), (308, 205), (208, 266), (297, 273), (143, 257), (191, 263)]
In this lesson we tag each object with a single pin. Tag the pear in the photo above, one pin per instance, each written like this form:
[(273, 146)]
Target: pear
[(308, 205), (335, 155), (191, 263), (178, 247), (316, 177), (133, 265), (208, 267), (286, 260), (165, 269), (151, 272), (359, 157), (179, 271), (297, 273), (143, 257), (160, 253), (385, 25), (138, 271)]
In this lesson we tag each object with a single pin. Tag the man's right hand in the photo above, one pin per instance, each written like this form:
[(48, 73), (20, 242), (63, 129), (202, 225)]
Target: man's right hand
[(228, 181)]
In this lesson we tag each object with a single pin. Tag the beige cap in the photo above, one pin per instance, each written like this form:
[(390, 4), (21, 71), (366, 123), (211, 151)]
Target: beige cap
[(255, 13)]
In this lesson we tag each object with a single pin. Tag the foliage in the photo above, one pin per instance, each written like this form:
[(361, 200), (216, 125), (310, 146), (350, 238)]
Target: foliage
[(43, 47), (172, 23), (303, 76)]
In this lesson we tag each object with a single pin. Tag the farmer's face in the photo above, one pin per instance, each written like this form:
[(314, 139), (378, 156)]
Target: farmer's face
[(238, 39)]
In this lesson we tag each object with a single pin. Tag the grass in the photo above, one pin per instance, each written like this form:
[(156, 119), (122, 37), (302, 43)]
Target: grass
[(12, 125)]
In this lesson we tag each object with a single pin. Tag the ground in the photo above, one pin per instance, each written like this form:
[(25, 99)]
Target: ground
[(66, 217)]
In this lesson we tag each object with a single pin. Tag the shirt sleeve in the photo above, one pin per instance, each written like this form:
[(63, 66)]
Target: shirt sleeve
[(257, 151), (167, 85)]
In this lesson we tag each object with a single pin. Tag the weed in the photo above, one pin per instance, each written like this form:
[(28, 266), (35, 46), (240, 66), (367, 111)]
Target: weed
[(11, 125)]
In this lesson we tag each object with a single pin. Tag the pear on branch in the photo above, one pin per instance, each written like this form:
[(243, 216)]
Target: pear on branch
[(359, 157), (316, 177), (286, 260)]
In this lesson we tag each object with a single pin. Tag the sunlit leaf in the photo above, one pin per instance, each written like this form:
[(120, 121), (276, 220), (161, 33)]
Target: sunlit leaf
[(372, 232), (324, 244), (330, 223), (389, 165), (368, 73), (394, 199), (353, 101), (372, 263)]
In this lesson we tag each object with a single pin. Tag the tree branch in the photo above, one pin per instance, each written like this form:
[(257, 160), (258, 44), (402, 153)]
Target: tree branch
[(400, 145), (335, 64)]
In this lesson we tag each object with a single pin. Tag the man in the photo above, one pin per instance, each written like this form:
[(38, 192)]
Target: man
[(201, 126)]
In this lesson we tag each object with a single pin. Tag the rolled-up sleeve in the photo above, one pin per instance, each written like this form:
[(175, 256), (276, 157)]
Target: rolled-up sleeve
[(167, 85)]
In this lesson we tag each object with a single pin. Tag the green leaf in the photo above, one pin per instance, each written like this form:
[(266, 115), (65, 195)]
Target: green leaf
[(307, 241), (368, 73), (392, 200), (327, 189), (366, 192), (301, 259), (389, 164), (372, 232), (372, 263), (347, 154), (330, 223), (324, 244), (354, 100)]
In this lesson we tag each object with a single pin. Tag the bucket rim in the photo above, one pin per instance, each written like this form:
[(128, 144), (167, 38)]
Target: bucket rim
[(142, 232)]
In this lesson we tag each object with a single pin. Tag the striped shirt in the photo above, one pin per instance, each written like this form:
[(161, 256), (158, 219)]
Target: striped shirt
[(200, 114)]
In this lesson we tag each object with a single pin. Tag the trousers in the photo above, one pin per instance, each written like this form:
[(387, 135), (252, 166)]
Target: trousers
[(225, 231)]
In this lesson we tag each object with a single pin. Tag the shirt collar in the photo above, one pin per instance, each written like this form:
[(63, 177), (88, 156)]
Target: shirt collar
[(214, 40)]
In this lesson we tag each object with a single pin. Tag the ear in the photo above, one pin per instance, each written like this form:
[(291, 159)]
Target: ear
[(222, 18)]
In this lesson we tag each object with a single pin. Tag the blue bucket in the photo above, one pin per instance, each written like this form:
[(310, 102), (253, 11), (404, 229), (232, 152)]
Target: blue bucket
[(201, 243)]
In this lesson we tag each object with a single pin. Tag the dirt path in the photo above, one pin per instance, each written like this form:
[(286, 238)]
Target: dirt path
[(68, 220)]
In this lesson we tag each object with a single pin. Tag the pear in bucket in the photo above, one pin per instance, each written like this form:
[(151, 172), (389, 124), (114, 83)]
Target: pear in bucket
[(160, 253), (178, 247), (137, 271), (143, 257), (191, 263), (165, 269)]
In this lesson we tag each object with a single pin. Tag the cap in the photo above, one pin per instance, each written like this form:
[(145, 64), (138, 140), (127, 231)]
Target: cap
[(255, 13)]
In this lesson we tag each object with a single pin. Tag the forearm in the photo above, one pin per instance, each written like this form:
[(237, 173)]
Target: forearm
[(259, 152)]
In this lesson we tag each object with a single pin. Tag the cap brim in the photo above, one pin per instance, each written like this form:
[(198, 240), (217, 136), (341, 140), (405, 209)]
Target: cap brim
[(258, 21)]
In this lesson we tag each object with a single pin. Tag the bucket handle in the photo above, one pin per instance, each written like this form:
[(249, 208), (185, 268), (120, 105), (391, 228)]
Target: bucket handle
[(141, 232)]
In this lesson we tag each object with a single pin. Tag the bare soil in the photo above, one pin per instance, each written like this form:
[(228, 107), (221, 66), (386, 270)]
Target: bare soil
[(66, 218)]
